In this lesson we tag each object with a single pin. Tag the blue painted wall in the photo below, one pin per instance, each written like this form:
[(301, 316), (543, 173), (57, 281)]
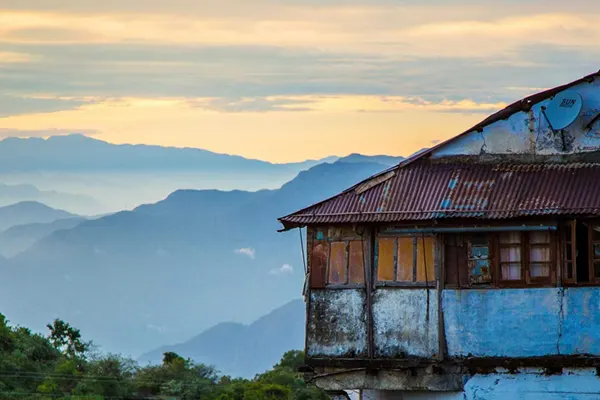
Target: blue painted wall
[(522, 322)]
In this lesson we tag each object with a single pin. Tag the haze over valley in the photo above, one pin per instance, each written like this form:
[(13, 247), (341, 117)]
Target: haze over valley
[(201, 268)]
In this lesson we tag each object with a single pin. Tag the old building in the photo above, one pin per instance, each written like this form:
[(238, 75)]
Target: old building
[(472, 269)]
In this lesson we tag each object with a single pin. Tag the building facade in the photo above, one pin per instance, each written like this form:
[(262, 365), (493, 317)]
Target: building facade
[(471, 270)]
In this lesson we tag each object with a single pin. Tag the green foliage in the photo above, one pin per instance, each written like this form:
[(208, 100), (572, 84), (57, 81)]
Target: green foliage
[(60, 366)]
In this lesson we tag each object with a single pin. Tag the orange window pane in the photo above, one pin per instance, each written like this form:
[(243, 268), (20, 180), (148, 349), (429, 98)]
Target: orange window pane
[(356, 262), (405, 259), (337, 263), (425, 257), (318, 264), (385, 259)]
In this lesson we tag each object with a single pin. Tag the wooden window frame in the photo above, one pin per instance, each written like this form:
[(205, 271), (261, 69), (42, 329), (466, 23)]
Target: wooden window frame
[(551, 245), (592, 256), (490, 259), (347, 284), (495, 262), (416, 239), (569, 236)]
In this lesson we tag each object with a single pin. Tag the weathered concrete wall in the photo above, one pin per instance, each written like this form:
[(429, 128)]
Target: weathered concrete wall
[(522, 322), (529, 132), (403, 324), (337, 324)]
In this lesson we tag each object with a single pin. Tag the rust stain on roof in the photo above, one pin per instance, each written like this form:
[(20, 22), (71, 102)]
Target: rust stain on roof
[(423, 191)]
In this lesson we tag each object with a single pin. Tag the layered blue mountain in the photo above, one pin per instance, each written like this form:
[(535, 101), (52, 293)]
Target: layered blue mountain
[(243, 350), (163, 272)]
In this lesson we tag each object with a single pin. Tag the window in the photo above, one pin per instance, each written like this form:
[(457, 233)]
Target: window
[(405, 259), (338, 262), (540, 260), (510, 256), (569, 250), (479, 260), (503, 258), (581, 252)]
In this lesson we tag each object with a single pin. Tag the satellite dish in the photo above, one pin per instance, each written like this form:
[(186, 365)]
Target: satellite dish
[(563, 109)]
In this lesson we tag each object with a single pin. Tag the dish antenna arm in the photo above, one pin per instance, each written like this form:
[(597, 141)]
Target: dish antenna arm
[(562, 134)]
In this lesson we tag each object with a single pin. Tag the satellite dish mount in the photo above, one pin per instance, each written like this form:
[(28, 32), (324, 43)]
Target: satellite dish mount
[(562, 111)]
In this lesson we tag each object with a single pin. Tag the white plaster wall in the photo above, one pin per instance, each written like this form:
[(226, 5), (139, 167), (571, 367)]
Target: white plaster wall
[(337, 324), (529, 132), (403, 324)]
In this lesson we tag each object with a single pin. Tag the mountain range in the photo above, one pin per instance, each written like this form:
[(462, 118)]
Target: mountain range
[(163, 272), (87, 176), (79, 153)]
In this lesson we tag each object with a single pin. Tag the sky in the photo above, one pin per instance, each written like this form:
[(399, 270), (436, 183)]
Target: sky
[(283, 80)]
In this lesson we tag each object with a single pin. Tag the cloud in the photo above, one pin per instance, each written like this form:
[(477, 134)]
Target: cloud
[(285, 269), (16, 105), (7, 57), (246, 251), (156, 328), (251, 104)]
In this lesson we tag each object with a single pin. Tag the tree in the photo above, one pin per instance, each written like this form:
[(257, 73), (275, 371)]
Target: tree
[(67, 339)]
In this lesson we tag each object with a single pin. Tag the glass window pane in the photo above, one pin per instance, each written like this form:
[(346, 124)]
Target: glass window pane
[(405, 259), (479, 240), (425, 243), (385, 259), (569, 252), (510, 237), (596, 232), (511, 272), (569, 270), (356, 262), (597, 270), (539, 270), (337, 263), (510, 254), (318, 264), (597, 251), (479, 271), (539, 254), (539, 237), (480, 252)]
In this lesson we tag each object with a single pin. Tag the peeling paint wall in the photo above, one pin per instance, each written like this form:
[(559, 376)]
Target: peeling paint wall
[(337, 324), (529, 132), (522, 322), (571, 385), (403, 324)]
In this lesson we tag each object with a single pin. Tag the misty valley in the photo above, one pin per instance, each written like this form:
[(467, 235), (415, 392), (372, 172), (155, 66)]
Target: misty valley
[(201, 273)]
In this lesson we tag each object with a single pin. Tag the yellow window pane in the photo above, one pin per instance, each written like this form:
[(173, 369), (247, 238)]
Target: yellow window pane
[(337, 263), (405, 259), (356, 263), (385, 259), (425, 257)]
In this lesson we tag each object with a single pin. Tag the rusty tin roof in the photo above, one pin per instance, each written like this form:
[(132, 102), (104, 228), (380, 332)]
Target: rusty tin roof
[(424, 191)]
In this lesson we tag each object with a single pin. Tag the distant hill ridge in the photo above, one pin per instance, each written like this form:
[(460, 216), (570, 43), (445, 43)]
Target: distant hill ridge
[(243, 350), (79, 152), (27, 212)]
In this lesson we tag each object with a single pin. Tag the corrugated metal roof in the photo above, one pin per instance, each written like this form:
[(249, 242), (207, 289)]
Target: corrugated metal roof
[(424, 191)]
